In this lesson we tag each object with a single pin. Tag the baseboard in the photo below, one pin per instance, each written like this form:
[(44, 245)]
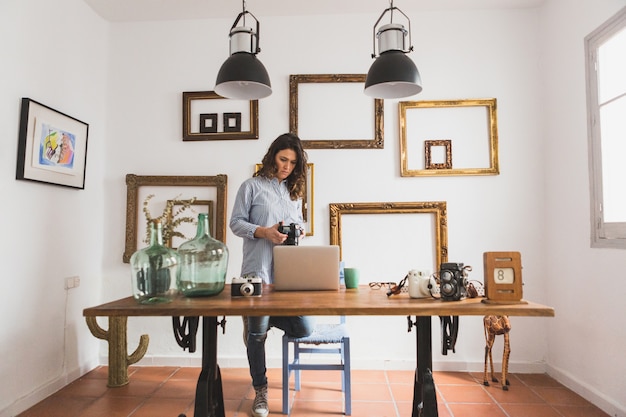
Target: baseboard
[(45, 390), (357, 363), (606, 404)]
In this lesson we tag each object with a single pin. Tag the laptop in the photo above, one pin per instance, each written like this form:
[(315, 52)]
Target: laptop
[(302, 268)]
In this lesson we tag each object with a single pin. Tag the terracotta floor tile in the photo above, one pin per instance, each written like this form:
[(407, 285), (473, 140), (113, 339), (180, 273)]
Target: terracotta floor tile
[(464, 394), (560, 396), (527, 410), (477, 410), (170, 391)]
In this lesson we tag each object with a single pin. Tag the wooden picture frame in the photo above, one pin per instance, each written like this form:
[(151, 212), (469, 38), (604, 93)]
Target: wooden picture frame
[(308, 201), (472, 124), (379, 238), (201, 107), (52, 146), (447, 154), (347, 99), (207, 185), (203, 206)]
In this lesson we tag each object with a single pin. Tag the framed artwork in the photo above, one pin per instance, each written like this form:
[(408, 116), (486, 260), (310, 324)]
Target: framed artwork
[(378, 224), (52, 146), (307, 200), (202, 121), (161, 189), (471, 125), (348, 119), (189, 229)]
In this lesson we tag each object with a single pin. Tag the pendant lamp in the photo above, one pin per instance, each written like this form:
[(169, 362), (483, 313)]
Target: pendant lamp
[(393, 74), (242, 75)]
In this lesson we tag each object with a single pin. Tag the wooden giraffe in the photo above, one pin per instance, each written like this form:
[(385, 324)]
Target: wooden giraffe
[(494, 326)]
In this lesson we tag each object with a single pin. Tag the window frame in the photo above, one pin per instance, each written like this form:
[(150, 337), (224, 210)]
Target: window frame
[(603, 234)]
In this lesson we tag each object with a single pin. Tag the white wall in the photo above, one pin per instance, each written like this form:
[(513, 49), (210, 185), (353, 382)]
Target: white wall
[(586, 338), (153, 63), (515, 56), (54, 53)]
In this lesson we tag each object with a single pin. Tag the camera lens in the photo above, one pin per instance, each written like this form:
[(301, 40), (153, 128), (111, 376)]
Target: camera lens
[(247, 289)]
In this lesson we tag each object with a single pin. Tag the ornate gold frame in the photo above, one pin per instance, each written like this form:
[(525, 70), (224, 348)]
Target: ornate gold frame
[(375, 143), (436, 208), (308, 201), (189, 96), (492, 127), (133, 182)]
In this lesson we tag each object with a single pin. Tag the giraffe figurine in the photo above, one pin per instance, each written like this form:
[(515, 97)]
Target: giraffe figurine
[(494, 326)]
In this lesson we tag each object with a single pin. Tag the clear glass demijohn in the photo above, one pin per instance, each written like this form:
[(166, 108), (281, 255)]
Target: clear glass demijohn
[(154, 269), (204, 262)]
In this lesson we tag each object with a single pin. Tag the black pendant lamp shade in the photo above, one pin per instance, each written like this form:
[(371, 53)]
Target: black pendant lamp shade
[(242, 75), (393, 74)]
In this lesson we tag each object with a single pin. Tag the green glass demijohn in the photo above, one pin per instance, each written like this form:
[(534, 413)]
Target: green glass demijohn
[(154, 269), (203, 263)]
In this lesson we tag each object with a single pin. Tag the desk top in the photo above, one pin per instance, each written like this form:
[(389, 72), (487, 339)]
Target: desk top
[(354, 302)]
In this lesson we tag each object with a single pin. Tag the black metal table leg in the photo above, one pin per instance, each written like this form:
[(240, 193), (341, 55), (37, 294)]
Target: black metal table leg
[(209, 394), (424, 396)]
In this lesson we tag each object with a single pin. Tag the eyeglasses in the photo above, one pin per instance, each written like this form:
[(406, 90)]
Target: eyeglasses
[(392, 287), (379, 285)]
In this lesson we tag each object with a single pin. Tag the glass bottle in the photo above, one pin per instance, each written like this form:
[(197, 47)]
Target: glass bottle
[(204, 262), (154, 269)]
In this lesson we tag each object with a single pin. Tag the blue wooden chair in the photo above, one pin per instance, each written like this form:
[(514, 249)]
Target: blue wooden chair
[(326, 339)]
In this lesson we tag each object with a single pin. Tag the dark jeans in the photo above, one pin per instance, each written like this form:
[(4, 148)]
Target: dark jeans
[(295, 326)]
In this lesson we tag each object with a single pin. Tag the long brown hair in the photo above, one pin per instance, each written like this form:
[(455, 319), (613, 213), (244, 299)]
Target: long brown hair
[(296, 180)]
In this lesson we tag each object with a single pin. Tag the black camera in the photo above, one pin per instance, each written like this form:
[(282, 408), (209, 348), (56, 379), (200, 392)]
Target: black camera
[(246, 287), (453, 281), (293, 233)]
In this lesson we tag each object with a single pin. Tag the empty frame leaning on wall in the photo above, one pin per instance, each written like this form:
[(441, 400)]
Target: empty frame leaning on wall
[(330, 111), (379, 257), (449, 137), (209, 116), (166, 188)]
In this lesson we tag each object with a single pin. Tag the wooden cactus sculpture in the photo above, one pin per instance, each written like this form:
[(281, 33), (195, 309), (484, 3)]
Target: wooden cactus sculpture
[(119, 360)]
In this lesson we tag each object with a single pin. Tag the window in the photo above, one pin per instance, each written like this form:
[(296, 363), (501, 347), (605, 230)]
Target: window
[(605, 49)]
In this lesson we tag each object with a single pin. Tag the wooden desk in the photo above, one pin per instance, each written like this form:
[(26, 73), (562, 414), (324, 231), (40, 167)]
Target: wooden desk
[(360, 302)]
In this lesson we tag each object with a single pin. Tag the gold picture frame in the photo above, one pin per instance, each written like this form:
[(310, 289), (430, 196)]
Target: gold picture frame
[(335, 96), (471, 124), (436, 209), (204, 106), (308, 201), (207, 185)]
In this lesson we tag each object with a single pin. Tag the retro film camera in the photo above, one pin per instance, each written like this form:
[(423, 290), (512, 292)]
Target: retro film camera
[(292, 231), (421, 284), (246, 287), (453, 281)]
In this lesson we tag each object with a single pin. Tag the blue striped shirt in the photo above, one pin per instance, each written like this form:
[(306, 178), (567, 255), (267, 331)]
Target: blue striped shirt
[(262, 202)]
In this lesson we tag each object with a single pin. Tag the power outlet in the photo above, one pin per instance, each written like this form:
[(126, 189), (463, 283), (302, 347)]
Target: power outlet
[(72, 282)]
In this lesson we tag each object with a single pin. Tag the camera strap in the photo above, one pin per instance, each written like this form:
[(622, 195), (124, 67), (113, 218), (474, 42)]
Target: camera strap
[(449, 332)]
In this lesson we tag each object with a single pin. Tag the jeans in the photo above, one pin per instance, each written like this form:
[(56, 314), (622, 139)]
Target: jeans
[(296, 326)]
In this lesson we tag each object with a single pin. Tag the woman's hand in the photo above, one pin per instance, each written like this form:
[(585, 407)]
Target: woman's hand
[(270, 233)]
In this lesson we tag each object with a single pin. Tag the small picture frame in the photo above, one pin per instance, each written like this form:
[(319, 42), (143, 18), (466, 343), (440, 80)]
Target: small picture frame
[(189, 229), (52, 146), (208, 123), (232, 122), (441, 157)]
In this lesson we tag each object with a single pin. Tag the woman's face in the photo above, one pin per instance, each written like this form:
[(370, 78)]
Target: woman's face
[(286, 160)]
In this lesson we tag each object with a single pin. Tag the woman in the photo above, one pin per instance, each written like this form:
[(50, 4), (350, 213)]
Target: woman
[(273, 195)]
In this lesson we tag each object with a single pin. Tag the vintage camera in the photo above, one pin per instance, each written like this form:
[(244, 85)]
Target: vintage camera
[(292, 231), (246, 287), (421, 284), (453, 281)]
